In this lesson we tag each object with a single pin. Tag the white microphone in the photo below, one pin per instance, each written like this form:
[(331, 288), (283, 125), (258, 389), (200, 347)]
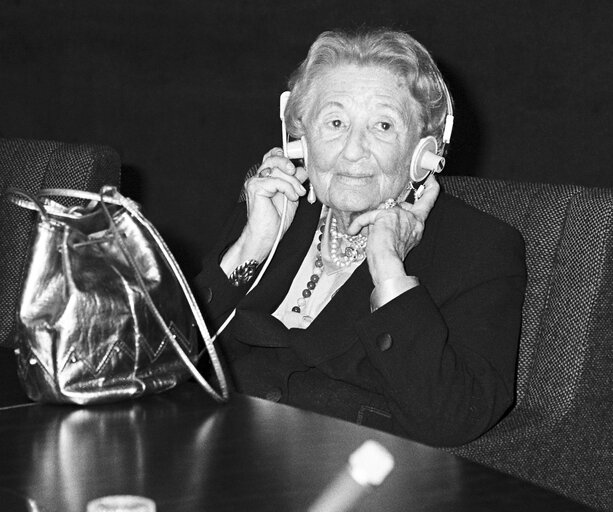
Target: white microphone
[(368, 466)]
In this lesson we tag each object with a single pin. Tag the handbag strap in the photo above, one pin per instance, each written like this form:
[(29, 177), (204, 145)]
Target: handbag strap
[(47, 206), (110, 195), (25, 200), (107, 194), (132, 208)]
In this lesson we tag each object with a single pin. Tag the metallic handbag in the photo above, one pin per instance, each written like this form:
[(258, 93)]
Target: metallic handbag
[(105, 313)]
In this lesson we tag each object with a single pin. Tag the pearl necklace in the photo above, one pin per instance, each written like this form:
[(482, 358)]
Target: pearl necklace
[(355, 249)]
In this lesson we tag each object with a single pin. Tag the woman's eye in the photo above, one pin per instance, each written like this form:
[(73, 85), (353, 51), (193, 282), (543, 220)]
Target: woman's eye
[(384, 125), (336, 123)]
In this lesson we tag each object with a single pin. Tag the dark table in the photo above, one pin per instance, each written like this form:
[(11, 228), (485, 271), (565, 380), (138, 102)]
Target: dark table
[(189, 454)]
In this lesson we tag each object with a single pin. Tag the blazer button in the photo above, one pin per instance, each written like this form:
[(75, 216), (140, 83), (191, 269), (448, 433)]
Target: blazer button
[(207, 295), (384, 341), (274, 395)]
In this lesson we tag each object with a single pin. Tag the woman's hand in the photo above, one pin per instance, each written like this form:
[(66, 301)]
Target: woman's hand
[(277, 178), (394, 232)]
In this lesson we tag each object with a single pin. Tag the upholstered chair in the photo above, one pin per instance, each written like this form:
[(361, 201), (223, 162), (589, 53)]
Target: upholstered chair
[(558, 435)]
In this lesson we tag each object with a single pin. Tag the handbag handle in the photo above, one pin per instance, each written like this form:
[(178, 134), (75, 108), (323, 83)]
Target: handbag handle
[(25, 200), (110, 195)]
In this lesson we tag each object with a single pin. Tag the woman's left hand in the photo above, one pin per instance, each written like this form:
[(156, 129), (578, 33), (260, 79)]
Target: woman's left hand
[(394, 232)]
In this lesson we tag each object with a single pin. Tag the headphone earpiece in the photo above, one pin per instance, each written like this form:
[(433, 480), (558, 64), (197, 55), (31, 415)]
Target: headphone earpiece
[(297, 149), (425, 159)]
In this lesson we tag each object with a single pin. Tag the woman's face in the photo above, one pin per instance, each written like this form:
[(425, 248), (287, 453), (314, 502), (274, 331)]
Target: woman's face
[(361, 129)]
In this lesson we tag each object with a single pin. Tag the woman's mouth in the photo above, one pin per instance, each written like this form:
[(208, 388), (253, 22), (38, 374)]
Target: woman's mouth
[(354, 179)]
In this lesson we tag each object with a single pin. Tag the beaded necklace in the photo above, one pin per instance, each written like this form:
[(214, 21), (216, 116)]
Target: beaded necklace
[(354, 250), (318, 267)]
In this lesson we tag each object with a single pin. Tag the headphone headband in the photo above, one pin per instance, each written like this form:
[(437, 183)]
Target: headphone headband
[(448, 127)]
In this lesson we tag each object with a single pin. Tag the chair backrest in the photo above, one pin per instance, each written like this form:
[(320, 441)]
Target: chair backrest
[(31, 165), (568, 232), (565, 366)]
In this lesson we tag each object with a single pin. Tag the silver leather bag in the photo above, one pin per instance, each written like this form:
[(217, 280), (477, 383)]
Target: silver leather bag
[(105, 313)]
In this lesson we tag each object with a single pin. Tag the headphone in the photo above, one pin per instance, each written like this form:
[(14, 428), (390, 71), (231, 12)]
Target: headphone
[(427, 157)]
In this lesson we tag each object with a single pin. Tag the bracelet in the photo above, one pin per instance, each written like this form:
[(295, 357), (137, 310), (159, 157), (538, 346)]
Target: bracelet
[(243, 273)]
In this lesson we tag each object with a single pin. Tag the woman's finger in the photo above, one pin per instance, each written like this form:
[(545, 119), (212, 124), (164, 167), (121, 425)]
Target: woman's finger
[(277, 173), (276, 158), (281, 163), (361, 221), (269, 182), (273, 152), (301, 174), (421, 208)]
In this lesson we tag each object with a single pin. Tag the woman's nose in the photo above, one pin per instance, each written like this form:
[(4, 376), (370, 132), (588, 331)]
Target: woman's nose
[(356, 145)]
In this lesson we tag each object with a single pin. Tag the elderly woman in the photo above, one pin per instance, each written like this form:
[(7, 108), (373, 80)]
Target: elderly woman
[(396, 315)]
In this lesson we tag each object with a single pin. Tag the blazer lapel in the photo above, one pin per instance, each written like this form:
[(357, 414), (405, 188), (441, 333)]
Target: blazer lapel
[(292, 249)]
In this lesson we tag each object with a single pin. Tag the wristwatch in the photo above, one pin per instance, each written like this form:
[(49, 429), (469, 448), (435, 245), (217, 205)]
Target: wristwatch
[(244, 273)]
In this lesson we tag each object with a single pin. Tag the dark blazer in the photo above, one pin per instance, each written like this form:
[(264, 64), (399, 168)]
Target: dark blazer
[(436, 364)]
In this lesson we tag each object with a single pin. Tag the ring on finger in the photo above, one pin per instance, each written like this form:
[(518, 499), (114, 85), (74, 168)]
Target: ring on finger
[(389, 203), (265, 172)]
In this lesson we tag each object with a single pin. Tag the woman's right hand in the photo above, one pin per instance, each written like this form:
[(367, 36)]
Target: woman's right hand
[(277, 178)]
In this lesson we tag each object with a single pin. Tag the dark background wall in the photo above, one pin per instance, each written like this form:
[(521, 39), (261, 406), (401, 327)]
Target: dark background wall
[(187, 90)]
